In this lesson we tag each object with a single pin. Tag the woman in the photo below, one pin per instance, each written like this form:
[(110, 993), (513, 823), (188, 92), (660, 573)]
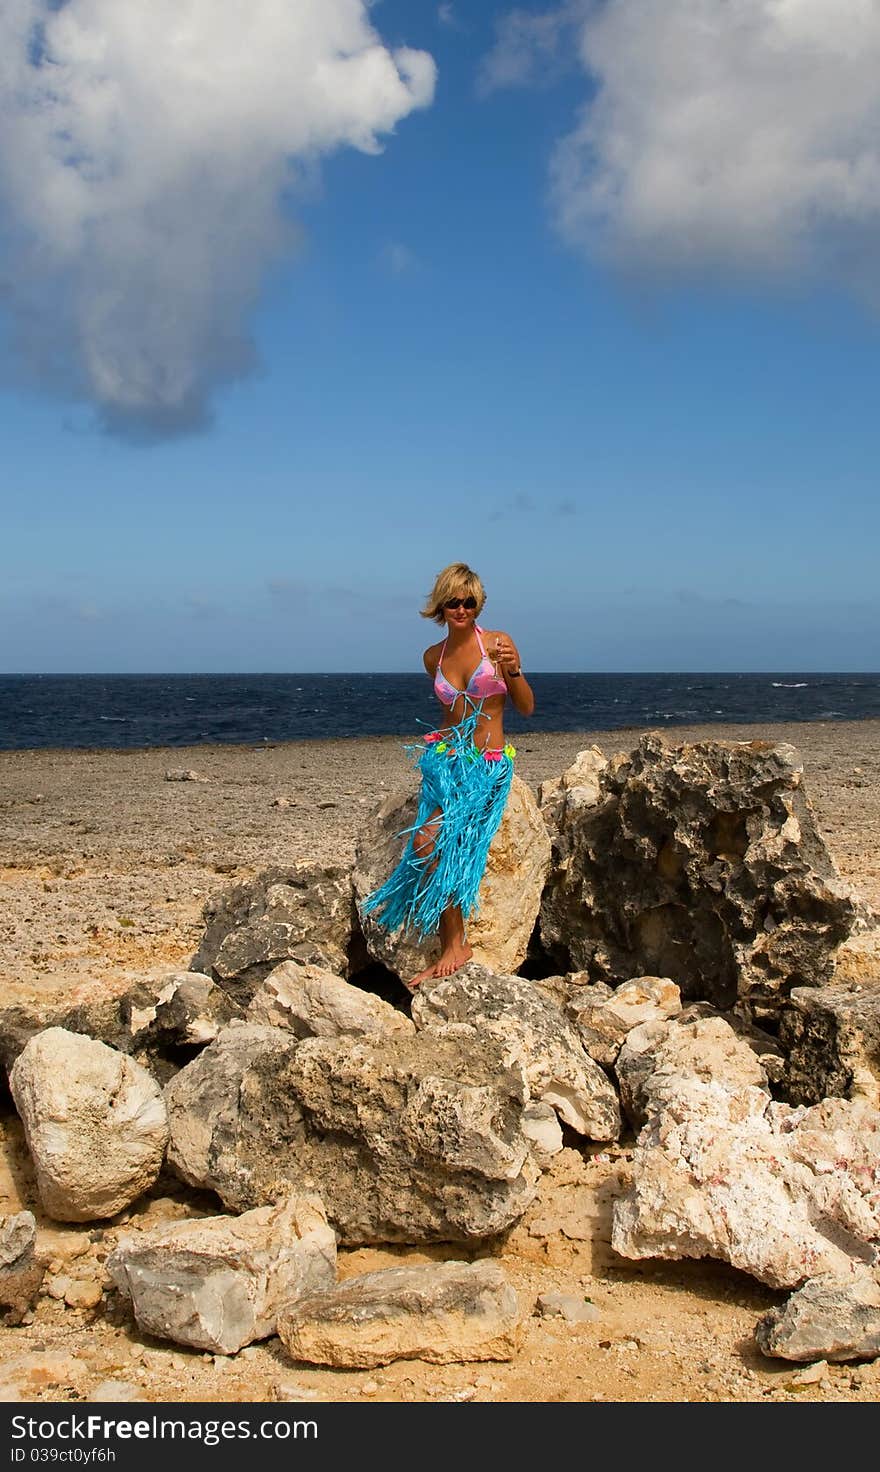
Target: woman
[(466, 771)]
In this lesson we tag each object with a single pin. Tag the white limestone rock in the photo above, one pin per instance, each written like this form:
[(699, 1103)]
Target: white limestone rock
[(95, 1123), (218, 1283), (835, 1317), (536, 1033), (204, 1099), (602, 1022), (784, 1194), (540, 1124), (655, 1055), (578, 789), (316, 1003)]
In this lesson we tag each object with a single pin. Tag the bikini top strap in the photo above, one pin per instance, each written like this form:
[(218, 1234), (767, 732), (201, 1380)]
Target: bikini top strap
[(478, 631)]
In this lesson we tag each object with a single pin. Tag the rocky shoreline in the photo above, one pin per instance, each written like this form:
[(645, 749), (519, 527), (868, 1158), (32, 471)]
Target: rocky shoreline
[(109, 859), (105, 864)]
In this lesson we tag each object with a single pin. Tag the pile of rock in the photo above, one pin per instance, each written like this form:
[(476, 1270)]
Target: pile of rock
[(682, 926)]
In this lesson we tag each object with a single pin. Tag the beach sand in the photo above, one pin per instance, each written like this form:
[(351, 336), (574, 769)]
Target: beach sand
[(105, 865)]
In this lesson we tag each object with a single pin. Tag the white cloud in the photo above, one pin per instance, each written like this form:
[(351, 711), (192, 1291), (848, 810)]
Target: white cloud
[(731, 135), (741, 136), (530, 47), (144, 155)]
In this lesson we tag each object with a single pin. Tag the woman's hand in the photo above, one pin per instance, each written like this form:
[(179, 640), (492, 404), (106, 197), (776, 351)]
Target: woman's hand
[(507, 663), (505, 655)]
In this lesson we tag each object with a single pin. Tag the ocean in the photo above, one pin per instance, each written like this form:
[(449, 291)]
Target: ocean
[(124, 711)]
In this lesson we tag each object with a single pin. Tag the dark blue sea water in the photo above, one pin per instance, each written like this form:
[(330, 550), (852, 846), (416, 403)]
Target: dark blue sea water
[(186, 710)]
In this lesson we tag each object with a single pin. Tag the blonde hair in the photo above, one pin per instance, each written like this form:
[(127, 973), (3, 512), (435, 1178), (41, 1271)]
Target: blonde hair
[(455, 581)]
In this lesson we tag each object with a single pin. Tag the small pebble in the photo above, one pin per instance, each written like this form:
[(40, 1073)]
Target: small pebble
[(809, 1375), (566, 1306), (117, 1390)]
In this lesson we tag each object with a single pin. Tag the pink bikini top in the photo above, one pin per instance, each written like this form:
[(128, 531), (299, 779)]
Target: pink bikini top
[(482, 683)]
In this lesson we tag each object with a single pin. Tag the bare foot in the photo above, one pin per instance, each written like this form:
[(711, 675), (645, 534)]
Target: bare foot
[(453, 958), (417, 980)]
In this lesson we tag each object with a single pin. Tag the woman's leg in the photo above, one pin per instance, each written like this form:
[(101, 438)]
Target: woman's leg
[(423, 847), (454, 949)]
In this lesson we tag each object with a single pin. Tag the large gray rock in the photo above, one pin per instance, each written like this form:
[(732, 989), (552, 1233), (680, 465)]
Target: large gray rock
[(95, 1124), (316, 1003), (204, 1102), (445, 1313), (835, 1317), (408, 1138), (510, 891), (784, 1194), (535, 1033), (703, 863), (304, 912), (218, 1283), (832, 1038)]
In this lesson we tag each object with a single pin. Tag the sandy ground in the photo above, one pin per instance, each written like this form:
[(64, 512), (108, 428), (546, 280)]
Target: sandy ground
[(105, 865)]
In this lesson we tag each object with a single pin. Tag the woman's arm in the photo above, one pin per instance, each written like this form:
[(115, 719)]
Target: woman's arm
[(506, 656)]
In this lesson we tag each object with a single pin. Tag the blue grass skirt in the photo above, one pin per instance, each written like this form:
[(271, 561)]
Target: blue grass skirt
[(470, 788)]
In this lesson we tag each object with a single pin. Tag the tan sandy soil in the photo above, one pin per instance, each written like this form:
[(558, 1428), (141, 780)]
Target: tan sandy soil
[(104, 868)]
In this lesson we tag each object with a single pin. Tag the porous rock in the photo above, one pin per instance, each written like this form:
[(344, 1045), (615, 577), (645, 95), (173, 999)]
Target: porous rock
[(217, 1283), (656, 1054), (602, 1018), (784, 1194), (533, 1031), (189, 1011), (95, 1124), (111, 1020), (832, 1041), (703, 863), (303, 913), (314, 1002), (577, 789), (500, 928), (445, 1313), (410, 1138), (834, 1317)]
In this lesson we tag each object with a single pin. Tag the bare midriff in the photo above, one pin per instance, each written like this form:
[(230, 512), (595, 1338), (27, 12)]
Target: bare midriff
[(489, 734)]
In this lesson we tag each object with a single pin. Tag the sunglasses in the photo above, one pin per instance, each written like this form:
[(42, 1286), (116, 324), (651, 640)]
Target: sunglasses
[(460, 603)]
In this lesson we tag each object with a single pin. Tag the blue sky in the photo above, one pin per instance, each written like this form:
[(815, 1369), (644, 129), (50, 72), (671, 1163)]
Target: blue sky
[(595, 312)]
